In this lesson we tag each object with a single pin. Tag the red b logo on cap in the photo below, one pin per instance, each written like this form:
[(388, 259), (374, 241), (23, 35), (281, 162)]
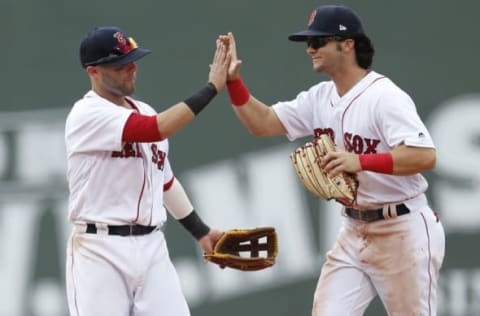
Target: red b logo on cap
[(312, 17), (122, 47)]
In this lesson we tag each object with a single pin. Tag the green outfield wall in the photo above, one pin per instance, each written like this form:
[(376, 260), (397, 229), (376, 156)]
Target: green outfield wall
[(429, 48)]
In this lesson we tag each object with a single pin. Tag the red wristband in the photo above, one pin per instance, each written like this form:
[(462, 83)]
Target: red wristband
[(382, 163), (238, 92)]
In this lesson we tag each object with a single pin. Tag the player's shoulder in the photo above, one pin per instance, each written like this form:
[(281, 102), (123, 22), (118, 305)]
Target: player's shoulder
[(319, 91), (385, 83), (380, 89), (322, 86), (92, 106), (81, 104), (387, 95), (89, 99)]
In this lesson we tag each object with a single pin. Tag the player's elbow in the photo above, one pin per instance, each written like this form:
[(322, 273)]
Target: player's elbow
[(259, 132), (262, 132), (431, 160), (428, 159)]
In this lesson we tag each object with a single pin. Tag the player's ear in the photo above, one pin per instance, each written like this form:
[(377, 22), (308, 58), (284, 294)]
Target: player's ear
[(346, 45), (91, 70), (349, 44)]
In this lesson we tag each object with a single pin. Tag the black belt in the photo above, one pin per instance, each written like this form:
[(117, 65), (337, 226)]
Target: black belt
[(123, 230), (375, 215)]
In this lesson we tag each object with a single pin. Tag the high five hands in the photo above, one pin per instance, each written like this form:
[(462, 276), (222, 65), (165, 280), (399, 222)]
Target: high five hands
[(235, 64)]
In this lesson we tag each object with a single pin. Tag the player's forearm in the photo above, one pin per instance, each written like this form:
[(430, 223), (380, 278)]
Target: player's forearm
[(250, 114), (174, 119), (258, 118), (409, 160), (178, 204), (179, 115), (401, 161)]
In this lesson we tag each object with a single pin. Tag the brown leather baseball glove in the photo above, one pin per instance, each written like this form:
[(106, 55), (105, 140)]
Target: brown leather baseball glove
[(306, 161), (251, 242)]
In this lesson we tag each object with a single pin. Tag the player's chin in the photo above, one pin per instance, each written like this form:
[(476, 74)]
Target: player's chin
[(128, 90), (318, 67), (130, 86)]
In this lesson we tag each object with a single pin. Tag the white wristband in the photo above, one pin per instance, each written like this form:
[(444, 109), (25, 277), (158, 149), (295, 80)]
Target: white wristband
[(176, 201)]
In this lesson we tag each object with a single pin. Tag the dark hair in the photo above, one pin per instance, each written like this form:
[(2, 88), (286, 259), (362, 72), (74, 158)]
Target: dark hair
[(364, 51)]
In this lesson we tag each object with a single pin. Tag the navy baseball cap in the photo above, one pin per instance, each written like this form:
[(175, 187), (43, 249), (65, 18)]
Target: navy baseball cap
[(108, 45), (330, 20)]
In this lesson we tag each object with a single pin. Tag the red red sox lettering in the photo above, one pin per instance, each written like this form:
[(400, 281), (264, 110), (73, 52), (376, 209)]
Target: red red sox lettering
[(132, 150), (360, 145), (353, 143), (129, 150), (320, 131), (158, 157)]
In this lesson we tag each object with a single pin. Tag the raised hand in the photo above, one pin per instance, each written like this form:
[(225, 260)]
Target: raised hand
[(219, 66), (235, 63)]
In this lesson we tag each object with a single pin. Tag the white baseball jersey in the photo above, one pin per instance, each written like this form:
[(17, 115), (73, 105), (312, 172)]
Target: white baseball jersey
[(113, 182), (117, 183), (397, 258), (373, 117)]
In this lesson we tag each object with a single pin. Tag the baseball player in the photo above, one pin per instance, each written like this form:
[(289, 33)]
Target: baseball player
[(391, 243), (120, 181)]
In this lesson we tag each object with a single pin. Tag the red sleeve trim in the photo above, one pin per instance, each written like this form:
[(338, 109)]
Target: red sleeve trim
[(141, 128), (168, 185)]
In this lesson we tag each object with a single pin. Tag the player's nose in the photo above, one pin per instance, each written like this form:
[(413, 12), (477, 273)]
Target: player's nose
[(311, 51)]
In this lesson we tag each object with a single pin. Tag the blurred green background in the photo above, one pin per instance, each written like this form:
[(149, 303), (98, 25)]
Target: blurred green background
[(429, 48)]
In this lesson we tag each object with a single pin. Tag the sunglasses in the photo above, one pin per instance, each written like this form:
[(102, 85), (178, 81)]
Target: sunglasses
[(119, 50), (317, 42)]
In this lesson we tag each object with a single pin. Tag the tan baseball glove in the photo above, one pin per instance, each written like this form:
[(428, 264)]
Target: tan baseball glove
[(306, 161), (251, 243)]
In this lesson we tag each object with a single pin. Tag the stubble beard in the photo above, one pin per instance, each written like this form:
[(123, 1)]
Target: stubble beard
[(122, 90)]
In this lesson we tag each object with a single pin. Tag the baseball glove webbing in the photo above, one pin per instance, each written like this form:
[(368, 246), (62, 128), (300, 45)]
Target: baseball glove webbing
[(251, 242)]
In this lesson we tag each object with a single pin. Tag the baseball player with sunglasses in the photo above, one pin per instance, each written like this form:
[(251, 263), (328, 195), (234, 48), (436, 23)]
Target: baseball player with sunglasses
[(391, 243), (121, 183)]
